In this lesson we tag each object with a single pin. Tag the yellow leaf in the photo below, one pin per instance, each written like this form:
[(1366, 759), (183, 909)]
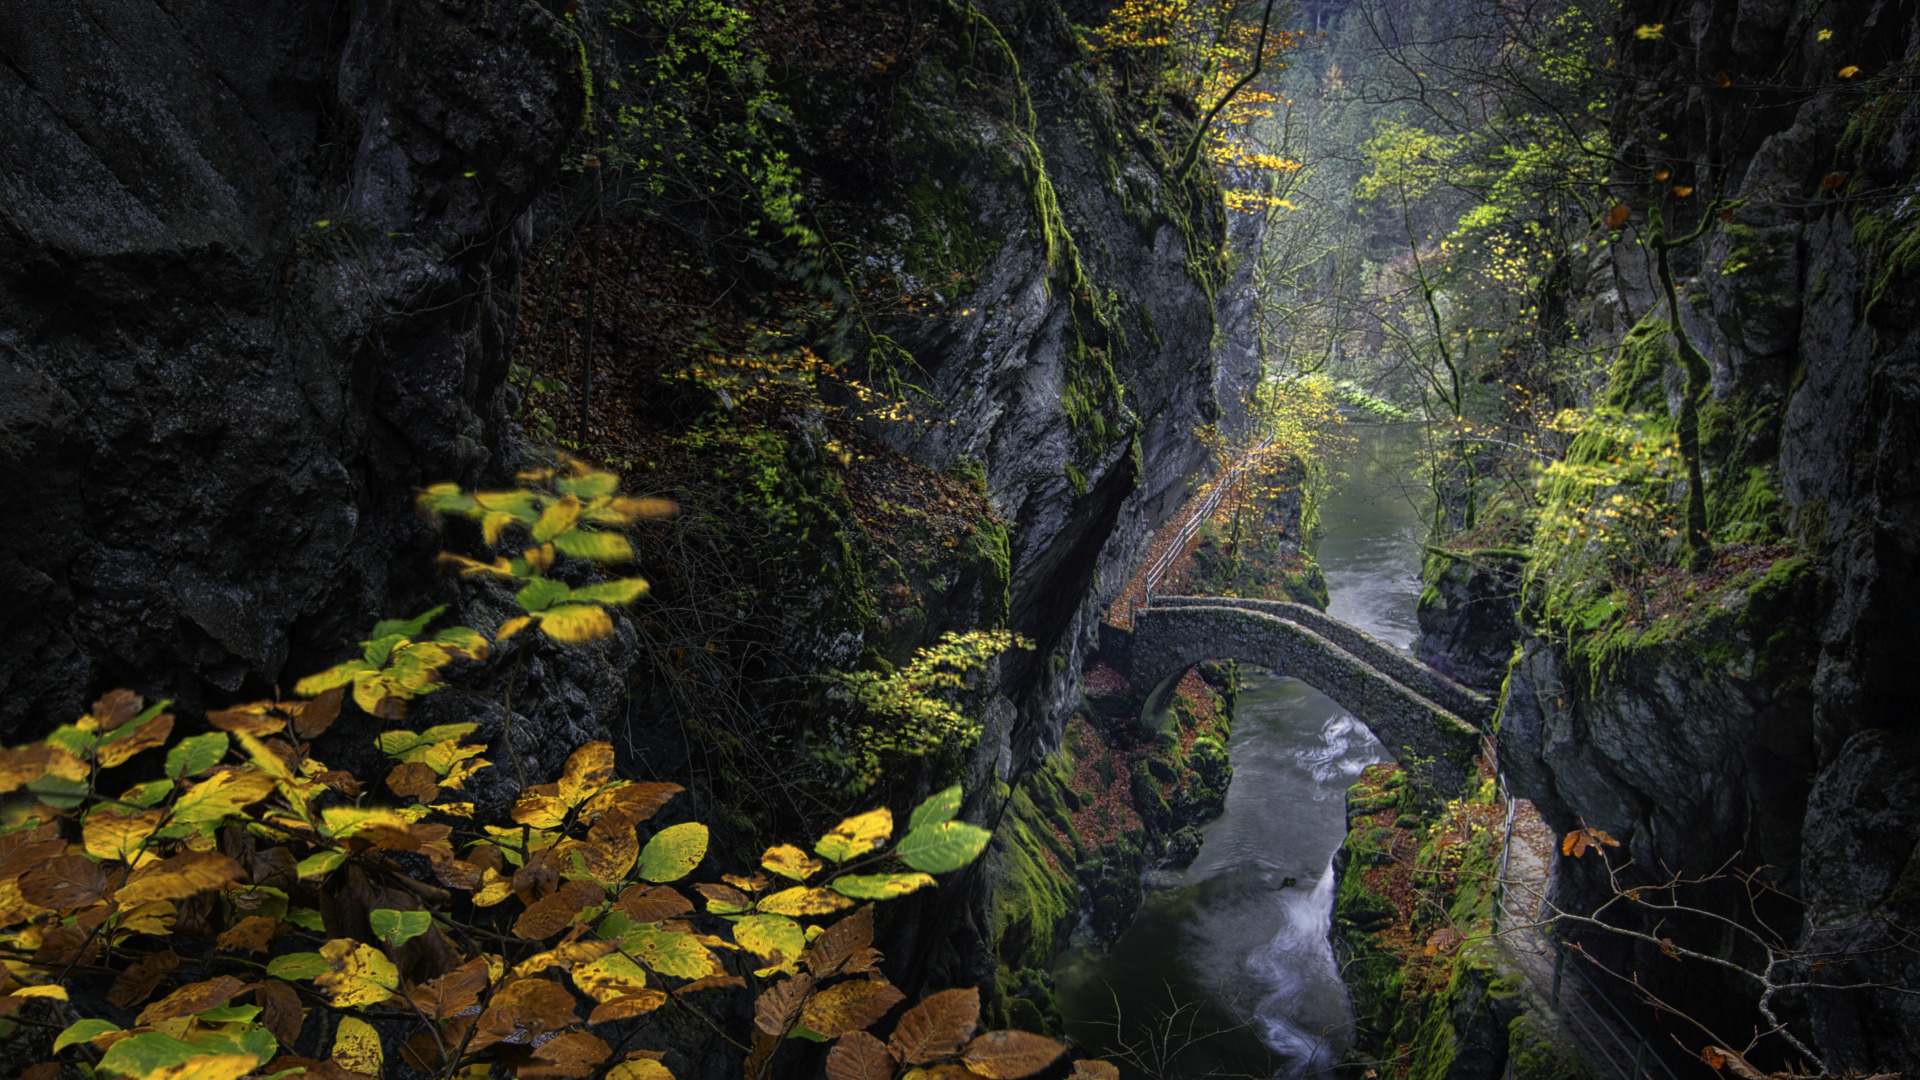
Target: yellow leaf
[(208, 1067), (558, 517), (1649, 31), (356, 1047), (361, 975), (610, 977), (775, 939), (856, 835), (221, 795), (47, 990), (639, 1069), (574, 623), (345, 821), (112, 837), (493, 888), (790, 862), (1824, 35), (181, 876), (588, 769), (512, 626), (154, 917), (801, 900), (673, 852), (670, 952), (1849, 71)]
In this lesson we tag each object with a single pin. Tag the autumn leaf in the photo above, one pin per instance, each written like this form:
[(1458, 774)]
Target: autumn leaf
[(639, 1069), (644, 903), (453, 993), (115, 837), (1010, 1055), (880, 886), (360, 974), (801, 900), (1618, 216), (673, 852), (790, 862), (191, 999), (280, 1010), (179, 877), (1090, 1069), (856, 835), (251, 935), (1849, 71), (1683, 190), (778, 941), (553, 912), (839, 942), (937, 1027), (137, 983), (1832, 180), (859, 1056), (849, 1006), (721, 899), (356, 1047), (117, 748), (587, 770), (775, 1008), (670, 952), (573, 1054), (65, 883)]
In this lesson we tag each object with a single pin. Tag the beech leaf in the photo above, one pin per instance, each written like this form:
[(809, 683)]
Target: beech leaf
[(1010, 1055), (856, 835), (944, 847), (673, 852), (937, 1027), (849, 1006), (859, 1056)]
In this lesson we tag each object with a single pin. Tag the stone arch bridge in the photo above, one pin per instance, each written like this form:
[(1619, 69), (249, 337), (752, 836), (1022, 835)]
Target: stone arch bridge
[(1412, 709)]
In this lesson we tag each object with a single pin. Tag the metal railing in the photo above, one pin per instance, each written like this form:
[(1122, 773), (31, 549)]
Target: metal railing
[(1208, 504)]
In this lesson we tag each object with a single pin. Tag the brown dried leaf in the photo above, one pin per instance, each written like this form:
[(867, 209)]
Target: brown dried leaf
[(631, 1005), (638, 801), (192, 998), (317, 715), (937, 1027), (452, 993), (849, 1006), (573, 1054), (137, 982), (840, 941), (551, 914), (1618, 216), (1088, 1069), (723, 899), (280, 1010), (414, 779), (64, 883), (258, 719), (71, 944), (859, 1056), (526, 1006), (1010, 1055), (251, 935), (115, 708), (28, 848), (643, 903), (774, 1008), (587, 770), (713, 982)]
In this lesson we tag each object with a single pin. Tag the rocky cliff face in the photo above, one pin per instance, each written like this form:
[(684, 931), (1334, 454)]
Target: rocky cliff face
[(257, 276), (1764, 716)]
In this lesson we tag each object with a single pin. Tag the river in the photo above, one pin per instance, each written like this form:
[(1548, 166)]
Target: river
[(1227, 970)]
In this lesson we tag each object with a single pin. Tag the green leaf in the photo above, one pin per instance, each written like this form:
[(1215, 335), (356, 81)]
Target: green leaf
[(622, 591), (602, 547), (541, 594), (945, 847), (669, 952), (319, 863), (673, 852), (939, 807), (147, 794), (300, 965), (379, 650), (307, 918), (196, 754), (879, 886), (145, 1054), (80, 1031), (59, 793), (445, 499), (396, 928), (407, 628)]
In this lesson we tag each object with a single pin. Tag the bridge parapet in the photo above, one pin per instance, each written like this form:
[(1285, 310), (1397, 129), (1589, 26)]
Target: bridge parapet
[(1470, 705), (1166, 640)]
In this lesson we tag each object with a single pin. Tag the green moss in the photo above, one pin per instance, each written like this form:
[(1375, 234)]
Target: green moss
[(992, 548)]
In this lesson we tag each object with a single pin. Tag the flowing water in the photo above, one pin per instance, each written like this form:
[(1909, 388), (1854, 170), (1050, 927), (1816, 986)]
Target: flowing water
[(1227, 970)]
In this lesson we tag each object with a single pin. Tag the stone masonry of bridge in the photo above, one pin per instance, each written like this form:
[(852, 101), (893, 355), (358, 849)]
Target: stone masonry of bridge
[(1178, 632)]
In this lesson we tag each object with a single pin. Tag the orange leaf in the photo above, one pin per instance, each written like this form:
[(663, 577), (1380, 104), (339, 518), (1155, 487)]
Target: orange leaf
[(831, 951), (643, 903), (192, 998), (551, 914), (1832, 180), (1723, 80), (572, 1054), (1682, 190), (937, 1027), (252, 935), (1010, 1055), (859, 1056), (1618, 216), (849, 1006)]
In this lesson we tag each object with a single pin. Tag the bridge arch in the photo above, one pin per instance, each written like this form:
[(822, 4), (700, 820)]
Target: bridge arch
[(1409, 707)]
